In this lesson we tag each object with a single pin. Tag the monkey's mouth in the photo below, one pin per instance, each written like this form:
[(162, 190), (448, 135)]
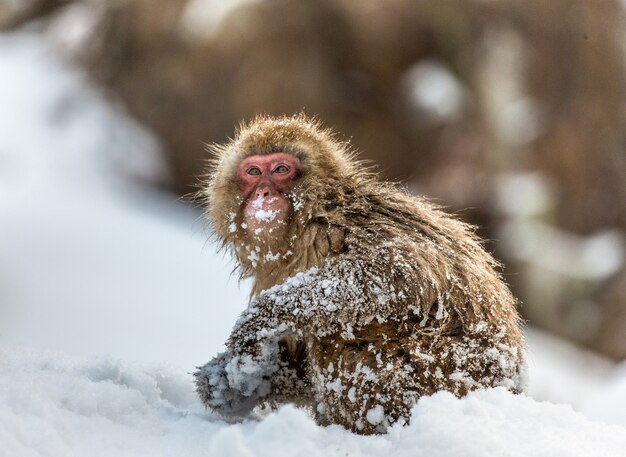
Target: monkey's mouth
[(266, 210)]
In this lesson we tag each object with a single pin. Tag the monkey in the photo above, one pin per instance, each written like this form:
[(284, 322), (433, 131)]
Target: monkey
[(364, 298)]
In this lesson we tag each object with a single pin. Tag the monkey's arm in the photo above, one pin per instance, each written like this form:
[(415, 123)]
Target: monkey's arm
[(346, 293)]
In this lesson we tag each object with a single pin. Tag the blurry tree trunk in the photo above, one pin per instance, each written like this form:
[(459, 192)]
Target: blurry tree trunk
[(362, 68), (576, 69), (13, 16)]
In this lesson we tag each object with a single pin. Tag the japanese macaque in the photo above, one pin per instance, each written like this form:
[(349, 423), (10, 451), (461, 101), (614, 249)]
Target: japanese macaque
[(365, 298)]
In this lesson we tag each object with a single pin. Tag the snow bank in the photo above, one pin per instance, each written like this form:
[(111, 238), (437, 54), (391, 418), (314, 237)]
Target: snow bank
[(608, 402), (55, 405), (561, 372)]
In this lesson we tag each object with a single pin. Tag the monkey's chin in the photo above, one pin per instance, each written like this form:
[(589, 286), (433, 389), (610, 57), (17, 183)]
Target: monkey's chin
[(267, 227)]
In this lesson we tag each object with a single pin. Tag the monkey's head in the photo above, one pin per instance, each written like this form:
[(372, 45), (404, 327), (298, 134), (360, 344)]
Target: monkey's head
[(269, 182)]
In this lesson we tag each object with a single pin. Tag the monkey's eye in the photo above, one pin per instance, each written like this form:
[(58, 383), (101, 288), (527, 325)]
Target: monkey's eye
[(281, 169), (254, 171)]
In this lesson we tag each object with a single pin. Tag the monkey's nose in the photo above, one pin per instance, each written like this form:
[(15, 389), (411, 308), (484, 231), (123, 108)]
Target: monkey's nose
[(264, 192)]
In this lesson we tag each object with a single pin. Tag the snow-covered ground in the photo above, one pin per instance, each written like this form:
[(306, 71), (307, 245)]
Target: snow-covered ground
[(110, 294), (54, 404)]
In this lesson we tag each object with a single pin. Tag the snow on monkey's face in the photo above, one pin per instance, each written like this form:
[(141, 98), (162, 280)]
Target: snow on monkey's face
[(265, 181)]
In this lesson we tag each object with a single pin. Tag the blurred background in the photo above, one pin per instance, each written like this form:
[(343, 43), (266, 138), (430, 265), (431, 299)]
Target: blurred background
[(511, 114)]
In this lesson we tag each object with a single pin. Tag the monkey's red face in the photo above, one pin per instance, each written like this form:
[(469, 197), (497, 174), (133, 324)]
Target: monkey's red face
[(265, 181)]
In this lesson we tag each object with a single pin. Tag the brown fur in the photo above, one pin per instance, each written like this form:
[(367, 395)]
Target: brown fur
[(430, 311)]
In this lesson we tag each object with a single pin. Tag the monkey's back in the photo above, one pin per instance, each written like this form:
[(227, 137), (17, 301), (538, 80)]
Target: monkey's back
[(454, 327)]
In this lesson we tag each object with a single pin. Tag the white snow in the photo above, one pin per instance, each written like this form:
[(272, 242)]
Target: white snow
[(91, 263), (260, 214), (376, 415), (265, 215), (109, 295), (55, 405), (608, 404)]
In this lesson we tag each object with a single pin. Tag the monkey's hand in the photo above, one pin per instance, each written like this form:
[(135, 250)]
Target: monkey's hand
[(233, 384)]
